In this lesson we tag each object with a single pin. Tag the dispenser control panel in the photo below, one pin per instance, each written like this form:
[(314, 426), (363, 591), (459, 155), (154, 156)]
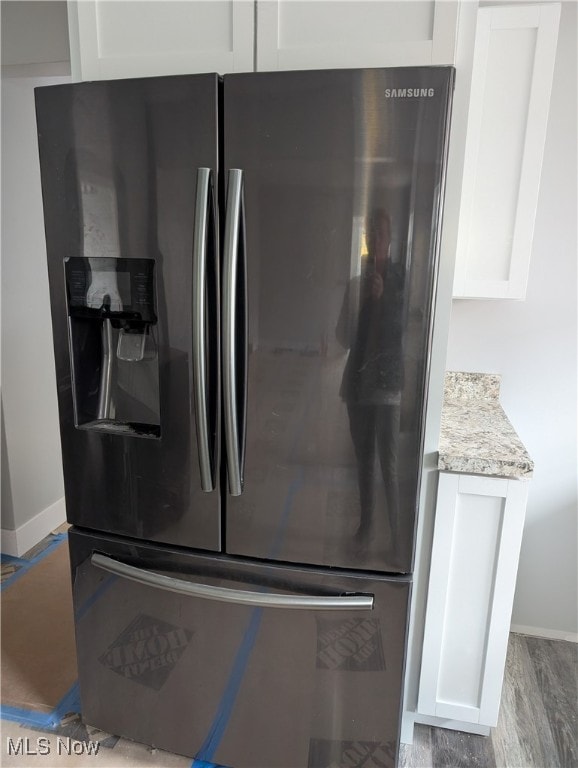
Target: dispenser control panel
[(112, 288)]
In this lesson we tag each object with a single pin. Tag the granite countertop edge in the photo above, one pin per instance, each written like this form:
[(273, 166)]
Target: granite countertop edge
[(476, 436)]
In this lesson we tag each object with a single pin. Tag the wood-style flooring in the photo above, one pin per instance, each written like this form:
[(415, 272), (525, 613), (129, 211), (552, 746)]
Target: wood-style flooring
[(538, 725)]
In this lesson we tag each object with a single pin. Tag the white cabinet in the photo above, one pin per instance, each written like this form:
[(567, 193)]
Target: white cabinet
[(315, 34), (514, 53), (477, 537), (140, 38)]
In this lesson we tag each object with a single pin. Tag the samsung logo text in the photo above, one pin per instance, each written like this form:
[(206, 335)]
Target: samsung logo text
[(409, 93)]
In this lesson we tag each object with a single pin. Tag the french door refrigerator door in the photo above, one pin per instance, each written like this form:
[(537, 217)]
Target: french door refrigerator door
[(341, 179), (243, 665), (128, 177)]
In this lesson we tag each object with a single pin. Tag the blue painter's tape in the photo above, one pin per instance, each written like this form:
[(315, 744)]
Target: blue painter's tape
[(70, 702), (295, 486), (229, 696), (26, 717), (227, 703), (26, 565), (12, 559)]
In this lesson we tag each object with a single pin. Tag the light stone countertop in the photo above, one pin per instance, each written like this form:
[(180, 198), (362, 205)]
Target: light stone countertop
[(476, 436)]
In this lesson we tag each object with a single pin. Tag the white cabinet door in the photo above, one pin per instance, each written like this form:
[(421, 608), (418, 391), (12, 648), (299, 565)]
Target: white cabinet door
[(315, 34), (477, 538), (143, 38), (513, 65)]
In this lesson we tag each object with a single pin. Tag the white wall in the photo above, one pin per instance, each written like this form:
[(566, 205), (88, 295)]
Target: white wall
[(32, 469), (34, 52), (34, 31), (533, 344)]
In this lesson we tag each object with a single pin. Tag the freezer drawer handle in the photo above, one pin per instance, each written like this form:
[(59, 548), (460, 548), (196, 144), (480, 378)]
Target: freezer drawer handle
[(199, 324), (233, 243), (349, 602)]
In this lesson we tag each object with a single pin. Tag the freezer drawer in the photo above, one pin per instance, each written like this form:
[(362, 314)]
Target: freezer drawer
[(241, 685)]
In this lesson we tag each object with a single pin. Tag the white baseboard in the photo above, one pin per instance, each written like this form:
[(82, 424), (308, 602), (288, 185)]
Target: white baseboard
[(407, 723), (549, 634), (454, 725), (17, 542)]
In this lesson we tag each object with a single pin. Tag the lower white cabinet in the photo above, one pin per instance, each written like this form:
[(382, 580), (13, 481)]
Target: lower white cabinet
[(477, 537)]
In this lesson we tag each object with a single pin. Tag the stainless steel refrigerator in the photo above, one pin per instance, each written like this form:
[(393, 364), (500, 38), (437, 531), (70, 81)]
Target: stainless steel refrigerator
[(242, 275)]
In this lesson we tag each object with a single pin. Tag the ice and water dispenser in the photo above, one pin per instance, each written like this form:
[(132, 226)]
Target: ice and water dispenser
[(114, 344)]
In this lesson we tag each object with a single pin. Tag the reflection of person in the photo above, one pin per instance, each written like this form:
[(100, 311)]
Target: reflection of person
[(370, 326)]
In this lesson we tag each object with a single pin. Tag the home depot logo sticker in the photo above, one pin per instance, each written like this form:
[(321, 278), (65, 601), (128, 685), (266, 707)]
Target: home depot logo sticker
[(351, 754), (353, 645), (147, 651)]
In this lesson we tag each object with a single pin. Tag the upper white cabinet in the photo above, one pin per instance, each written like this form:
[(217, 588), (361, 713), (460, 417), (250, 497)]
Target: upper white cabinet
[(314, 34), (513, 65), (140, 38)]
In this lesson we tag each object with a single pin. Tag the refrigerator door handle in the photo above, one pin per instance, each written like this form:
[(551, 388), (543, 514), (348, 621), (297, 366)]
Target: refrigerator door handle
[(234, 241), (203, 200), (348, 602)]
